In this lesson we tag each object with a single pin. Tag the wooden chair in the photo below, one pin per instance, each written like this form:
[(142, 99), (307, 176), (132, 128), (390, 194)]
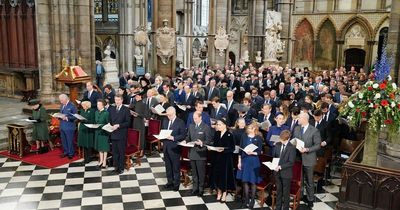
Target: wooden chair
[(319, 171), (132, 148), (185, 166), (267, 178), (295, 187), (153, 129)]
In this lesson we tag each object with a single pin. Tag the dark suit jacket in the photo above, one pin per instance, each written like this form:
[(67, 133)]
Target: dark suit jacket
[(222, 113), (234, 84), (123, 118), (110, 96), (232, 114), (270, 118), (197, 96), (286, 160), (312, 141), (189, 101), (214, 93), (178, 132), (68, 110), (203, 132), (323, 130), (93, 98)]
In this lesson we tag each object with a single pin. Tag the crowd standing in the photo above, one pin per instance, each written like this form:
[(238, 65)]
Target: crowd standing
[(225, 107)]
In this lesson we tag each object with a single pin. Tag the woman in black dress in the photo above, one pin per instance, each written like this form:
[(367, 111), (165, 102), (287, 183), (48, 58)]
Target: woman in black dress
[(223, 178), (139, 110)]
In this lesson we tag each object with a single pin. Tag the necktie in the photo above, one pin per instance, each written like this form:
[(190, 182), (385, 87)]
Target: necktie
[(302, 130), (148, 102), (209, 93), (283, 149), (229, 105), (89, 94), (169, 124), (265, 117), (118, 108)]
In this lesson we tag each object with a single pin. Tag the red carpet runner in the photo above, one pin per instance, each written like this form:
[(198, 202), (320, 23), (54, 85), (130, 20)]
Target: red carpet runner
[(50, 159)]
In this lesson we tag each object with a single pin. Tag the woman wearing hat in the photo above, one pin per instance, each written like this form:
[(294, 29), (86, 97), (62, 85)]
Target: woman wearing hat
[(101, 142), (276, 131), (139, 109), (40, 130), (85, 134), (223, 178)]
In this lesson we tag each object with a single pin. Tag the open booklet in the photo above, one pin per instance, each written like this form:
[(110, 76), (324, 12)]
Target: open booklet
[(274, 138), (212, 148), (188, 144), (249, 148), (298, 143), (79, 117), (158, 109), (58, 115), (272, 165), (163, 134), (108, 127), (237, 149), (182, 107), (92, 125), (265, 125)]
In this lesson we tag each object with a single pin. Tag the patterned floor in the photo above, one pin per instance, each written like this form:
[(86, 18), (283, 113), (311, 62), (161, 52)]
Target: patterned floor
[(74, 186)]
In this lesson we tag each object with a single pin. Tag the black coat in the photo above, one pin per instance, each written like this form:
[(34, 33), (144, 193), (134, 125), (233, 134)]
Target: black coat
[(123, 118), (93, 98), (286, 160)]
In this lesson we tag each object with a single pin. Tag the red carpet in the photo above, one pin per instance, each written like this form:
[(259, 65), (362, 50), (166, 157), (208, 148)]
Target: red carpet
[(50, 159)]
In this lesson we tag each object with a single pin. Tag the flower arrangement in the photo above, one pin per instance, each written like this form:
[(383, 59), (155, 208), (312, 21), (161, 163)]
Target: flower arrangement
[(378, 103)]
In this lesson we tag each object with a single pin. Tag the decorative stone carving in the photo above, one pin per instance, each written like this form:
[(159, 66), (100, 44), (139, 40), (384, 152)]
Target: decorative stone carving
[(14, 3), (138, 56), (165, 39), (273, 45), (141, 36), (200, 30), (110, 67), (355, 36), (245, 56), (221, 40), (180, 52), (30, 3), (258, 57)]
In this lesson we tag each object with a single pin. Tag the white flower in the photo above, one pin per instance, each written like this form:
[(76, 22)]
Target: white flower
[(393, 104), (350, 104), (375, 85), (378, 95), (360, 95), (389, 78), (371, 105), (394, 85), (369, 82)]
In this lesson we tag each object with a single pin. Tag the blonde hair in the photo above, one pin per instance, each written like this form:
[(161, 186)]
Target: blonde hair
[(256, 129), (86, 104)]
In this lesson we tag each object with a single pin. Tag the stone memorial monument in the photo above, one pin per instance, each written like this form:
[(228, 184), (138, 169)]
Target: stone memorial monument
[(110, 67), (273, 45)]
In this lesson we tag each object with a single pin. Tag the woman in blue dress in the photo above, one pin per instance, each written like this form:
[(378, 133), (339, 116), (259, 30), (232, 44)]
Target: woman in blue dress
[(249, 164), (276, 130)]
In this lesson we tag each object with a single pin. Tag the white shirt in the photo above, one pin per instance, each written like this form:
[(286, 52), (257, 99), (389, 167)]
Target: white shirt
[(305, 128)]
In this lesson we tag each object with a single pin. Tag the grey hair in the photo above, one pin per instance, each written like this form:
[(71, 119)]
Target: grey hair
[(171, 109), (64, 96)]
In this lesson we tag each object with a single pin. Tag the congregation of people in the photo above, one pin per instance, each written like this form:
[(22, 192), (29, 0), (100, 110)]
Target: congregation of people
[(218, 110)]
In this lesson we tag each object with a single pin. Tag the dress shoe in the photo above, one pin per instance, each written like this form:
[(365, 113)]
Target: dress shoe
[(167, 187), (120, 172), (310, 204), (200, 194), (63, 156), (251, 204), (195, 193), (176, 189), (70, 157)]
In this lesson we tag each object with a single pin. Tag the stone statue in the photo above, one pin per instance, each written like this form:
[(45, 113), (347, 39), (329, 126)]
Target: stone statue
[(245, 56), (180, 51), (165, 42), (273, 45), (258, 57), (221, 40), (138, 56), (107, 52)]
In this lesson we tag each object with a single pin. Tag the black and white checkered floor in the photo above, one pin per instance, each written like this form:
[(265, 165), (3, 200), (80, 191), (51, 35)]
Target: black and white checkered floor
[(74, 186)]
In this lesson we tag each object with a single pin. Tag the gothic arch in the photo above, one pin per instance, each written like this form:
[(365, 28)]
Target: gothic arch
[(325, 45), (380, 24), (303, 50), (326, 19), (356, 20), (300, 22), (98, 42)]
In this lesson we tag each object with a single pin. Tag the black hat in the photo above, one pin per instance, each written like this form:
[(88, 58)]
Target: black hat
[(223, 120), (140, 93), (305, 105), (241, 107), (33, 102)]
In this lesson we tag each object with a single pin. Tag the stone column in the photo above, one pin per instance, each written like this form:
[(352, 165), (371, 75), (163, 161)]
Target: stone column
[(286, 10), (188, 32), (66, 31), (163, 9), (394, 39), (126, 30), (223, 18), (211, 33)]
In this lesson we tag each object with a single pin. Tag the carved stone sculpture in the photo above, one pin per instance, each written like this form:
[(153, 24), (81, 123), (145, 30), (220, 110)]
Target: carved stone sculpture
[(258, 57), (180, 53), (273, 45), (110, 67), (221, 40), (138, 56), (141, 36), (107, 51), (245, 56), (165, 42)]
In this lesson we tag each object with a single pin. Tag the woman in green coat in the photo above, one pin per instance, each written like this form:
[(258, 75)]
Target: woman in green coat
[(101, 142), (40, 129), (85, 134)]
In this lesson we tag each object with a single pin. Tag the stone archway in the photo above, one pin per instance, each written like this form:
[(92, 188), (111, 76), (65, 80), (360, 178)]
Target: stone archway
[(354, 57)]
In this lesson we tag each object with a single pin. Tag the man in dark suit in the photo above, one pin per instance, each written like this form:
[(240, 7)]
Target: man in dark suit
[(109, 94), (292, 120), (120, 119), (123, 79), (322, 126), (171, 149), (150, 102), (67, 126), (328, 116), (266, 114), (232, 114), (286, 153), (200, 133), (195, 92), (218, 111), (168, 93), (312, 143), (189, 98), (268, 100), (91, 95), (212, 91)]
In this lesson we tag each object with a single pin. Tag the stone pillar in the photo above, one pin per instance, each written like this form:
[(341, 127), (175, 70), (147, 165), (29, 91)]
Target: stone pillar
[(111, 72), (163, 9), (394, 39), (211, 33), (286, 7), (223, 18), (126, 30), (66, 31), (188, 32)]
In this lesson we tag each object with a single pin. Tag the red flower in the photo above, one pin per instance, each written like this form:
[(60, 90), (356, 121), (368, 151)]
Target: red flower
[(398, 106), (363, 114), (370, 88), (384, 103), (388, 121), (376, 106), (369, 101), (391, 95), (357, 110), (382, 86)]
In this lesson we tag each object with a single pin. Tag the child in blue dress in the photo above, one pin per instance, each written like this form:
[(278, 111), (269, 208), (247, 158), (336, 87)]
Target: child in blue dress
[(249, 164)]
